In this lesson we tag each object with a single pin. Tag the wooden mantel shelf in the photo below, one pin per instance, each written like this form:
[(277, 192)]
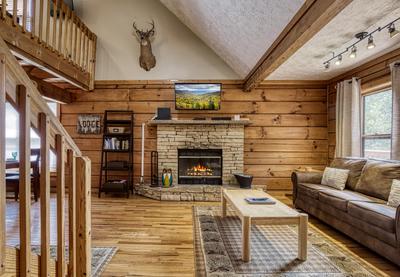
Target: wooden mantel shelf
[(198, 122)]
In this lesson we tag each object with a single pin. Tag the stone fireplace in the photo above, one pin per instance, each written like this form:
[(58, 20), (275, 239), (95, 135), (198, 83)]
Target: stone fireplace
[(175, 137), (203, 155)]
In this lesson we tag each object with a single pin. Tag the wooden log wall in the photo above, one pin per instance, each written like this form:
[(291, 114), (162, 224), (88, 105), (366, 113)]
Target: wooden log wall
[(288, 131), (374, 75)]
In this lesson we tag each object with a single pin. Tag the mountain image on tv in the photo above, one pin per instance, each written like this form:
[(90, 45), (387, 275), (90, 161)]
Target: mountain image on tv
[(197, 96)]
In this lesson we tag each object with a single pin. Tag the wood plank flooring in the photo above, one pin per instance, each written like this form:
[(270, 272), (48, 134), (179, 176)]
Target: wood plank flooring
[(155, 238)]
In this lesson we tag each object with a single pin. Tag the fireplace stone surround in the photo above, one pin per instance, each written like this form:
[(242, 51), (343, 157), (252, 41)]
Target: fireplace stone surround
[(173, 135)]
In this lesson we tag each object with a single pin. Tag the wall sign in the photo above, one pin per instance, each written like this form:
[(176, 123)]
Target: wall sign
[(88, 124)]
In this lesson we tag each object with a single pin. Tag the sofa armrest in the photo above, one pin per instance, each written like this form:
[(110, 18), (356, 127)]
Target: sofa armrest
[(314, 177)]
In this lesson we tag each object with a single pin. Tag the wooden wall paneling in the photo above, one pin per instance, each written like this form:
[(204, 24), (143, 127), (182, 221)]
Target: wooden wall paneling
[(288, 130), (24, 180), (60, 153), (2, 162), (44, 131)]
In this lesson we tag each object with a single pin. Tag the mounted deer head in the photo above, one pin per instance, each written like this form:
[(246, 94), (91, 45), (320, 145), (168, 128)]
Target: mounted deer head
[(147, 60)]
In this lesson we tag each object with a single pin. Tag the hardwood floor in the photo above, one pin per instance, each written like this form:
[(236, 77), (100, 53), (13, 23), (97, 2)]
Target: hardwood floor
[(155, 238)]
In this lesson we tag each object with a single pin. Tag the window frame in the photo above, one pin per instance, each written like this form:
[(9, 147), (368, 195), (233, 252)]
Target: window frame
[(373, 136)]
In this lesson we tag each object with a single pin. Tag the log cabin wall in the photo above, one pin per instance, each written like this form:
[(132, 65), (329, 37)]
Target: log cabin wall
[(288, 131), (374, 75)]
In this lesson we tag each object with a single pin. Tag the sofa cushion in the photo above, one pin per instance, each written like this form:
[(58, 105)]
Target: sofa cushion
[(340, 199), (377, 177), (394, 196), (380, 215), (335, 177), (310, 190), (355, 165)]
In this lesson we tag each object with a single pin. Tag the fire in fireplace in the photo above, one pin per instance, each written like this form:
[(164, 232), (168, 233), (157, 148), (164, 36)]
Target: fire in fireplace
[(200, 166)]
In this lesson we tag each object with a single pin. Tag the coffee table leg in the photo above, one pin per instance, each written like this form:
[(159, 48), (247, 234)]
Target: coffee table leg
[(223, 204), (246, 229), (303, 230)]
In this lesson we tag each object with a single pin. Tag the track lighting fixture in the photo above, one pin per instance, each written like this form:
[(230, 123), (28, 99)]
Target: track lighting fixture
[(371, 43), (339, 60), (360, 37), (392, 31), (353, 52)]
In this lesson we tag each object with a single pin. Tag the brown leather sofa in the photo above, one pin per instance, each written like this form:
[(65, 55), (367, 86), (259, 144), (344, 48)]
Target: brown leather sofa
[(360, 210)]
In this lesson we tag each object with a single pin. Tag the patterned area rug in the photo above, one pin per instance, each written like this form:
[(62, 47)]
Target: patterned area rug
[(273, 250), (101, 256)]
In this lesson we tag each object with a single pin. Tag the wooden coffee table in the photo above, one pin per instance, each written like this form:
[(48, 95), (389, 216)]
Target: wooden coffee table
[(276, 214)]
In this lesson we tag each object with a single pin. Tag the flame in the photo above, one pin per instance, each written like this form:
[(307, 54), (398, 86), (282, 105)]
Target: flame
[(200, 170)]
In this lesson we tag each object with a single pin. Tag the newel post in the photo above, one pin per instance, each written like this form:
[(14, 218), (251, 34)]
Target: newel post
[(83, 217)]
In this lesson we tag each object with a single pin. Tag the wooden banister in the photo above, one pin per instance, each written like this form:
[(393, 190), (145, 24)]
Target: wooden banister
[(24, 109), (44, 132), (18, 89), (61, 33)]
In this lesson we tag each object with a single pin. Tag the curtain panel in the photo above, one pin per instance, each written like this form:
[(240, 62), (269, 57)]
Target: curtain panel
[(395, 69), (348, 118)]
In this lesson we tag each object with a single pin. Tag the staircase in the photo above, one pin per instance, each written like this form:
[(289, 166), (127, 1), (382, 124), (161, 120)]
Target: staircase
[(73, 171)]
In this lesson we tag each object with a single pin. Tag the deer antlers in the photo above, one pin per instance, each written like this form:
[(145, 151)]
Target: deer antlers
[(147, 33)]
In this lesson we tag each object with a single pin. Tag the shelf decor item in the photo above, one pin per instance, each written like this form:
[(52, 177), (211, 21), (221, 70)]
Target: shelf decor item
[(116, 171), (167, 178), (88, 124)]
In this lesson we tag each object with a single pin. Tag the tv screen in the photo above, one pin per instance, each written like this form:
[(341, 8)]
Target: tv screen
[(197, 96)]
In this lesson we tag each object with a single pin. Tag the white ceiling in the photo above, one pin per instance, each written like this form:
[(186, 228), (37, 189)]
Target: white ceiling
[(360, 15), (239, 31)]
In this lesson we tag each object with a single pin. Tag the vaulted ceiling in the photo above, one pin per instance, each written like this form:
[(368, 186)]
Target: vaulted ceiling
[(239, 31)]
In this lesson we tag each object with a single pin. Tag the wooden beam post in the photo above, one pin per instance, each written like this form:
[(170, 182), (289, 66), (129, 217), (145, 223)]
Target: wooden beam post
[(44, 130), (24, 180), (308, 21), (2, 164), (71, 162), (83, 213), (50, 91), (60, 150)]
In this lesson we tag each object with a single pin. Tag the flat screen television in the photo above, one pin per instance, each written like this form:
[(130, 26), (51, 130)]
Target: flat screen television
[(197, 96)]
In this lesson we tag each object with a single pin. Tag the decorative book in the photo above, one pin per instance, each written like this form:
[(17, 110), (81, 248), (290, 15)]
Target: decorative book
[(260, 200)]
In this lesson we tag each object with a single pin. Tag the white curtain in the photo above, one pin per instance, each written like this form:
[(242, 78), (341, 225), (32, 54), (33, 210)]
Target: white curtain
[(395, 68), (348, 118)]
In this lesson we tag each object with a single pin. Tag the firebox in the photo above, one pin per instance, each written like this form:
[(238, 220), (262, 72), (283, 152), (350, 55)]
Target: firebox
[(200, 166)]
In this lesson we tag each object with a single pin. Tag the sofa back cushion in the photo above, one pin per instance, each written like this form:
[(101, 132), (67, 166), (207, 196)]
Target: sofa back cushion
[(377, 177), (354, 165)]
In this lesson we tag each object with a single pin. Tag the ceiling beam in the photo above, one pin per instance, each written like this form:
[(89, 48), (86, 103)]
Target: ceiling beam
[(52, 92), (307, 22)]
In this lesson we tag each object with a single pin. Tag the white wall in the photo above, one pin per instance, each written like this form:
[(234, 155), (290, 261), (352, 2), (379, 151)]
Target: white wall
[(179, 53)]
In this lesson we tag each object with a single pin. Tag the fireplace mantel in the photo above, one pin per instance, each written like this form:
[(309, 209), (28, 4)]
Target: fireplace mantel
[(198, 122)]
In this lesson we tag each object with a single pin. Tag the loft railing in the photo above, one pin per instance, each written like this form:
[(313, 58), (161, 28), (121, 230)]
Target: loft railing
[(49, 33), (73, 172)]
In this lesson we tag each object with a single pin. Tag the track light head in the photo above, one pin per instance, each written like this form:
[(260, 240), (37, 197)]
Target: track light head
[(353, 52), (371, 43), (327, 65), (339, 60), (392, 31)]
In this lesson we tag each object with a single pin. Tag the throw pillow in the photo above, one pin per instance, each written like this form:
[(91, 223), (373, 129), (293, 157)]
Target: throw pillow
[(335, 177), (394, 196)]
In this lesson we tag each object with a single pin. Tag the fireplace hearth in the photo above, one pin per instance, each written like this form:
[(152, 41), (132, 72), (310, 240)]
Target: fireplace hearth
[(200, 166)]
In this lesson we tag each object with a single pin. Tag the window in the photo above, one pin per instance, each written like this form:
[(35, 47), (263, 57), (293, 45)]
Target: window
[(377, 124), (12, 134)]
